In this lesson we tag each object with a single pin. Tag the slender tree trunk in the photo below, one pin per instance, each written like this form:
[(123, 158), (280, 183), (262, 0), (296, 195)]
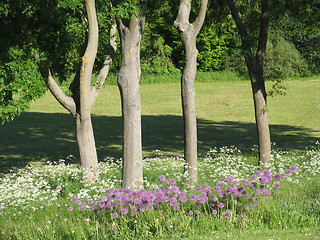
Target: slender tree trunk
[(255, 69), (188, 33), (189, 111), (128, 82)]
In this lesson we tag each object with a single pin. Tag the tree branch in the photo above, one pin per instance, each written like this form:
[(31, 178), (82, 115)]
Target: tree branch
[(106, 65), (66, 101), (241, 28), (201, 16), (263, 35)]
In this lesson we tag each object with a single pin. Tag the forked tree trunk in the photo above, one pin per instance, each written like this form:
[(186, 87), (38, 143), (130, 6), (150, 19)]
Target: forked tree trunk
[(79, 105), (255, 69), (188, 33), (128, 82)]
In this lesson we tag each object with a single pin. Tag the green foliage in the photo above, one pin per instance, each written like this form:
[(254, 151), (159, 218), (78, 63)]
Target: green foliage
[(20, 83), (156, 54), (125, 9), (212, 48)]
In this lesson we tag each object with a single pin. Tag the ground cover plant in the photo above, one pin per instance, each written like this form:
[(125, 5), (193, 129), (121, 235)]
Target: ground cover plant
[(38, 193), (233, 198)]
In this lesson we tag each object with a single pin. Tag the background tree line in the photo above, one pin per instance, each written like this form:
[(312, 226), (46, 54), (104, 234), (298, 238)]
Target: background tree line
[(26, 27)]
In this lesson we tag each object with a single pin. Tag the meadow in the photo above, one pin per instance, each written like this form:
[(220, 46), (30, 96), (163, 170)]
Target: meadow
[(42, 195)]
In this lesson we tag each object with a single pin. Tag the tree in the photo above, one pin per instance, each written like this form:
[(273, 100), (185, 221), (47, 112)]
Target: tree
[(188, 33), (255, 68), (130, 27), (20, 82), (80, 102)]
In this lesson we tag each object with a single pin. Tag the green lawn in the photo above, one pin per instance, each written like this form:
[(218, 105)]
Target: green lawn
[(224, 111), (32, 207)]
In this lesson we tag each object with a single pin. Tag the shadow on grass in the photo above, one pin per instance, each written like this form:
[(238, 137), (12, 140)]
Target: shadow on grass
[(40, 137)]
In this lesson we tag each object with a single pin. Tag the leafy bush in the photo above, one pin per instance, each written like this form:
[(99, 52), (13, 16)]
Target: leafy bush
[(212, 47), (283, 60)]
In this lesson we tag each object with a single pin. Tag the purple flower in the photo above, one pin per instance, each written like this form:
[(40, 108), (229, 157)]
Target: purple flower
[(206, 187), (175, 189), (245, 182), (167, 191), (124, 211), (221, 205), (277, 185), (201, 200), (289, 179), (90, 201), (253, 177), (248, 196), (258, 173), (215, 199), (254, 199), (279, 177), (287, 172), (235, 183), (228, 212), (162, 178), (70, 209), (293, 169), (104, 198), (59, 188), (166, 182), (197, 212), (234, 202), (87, 220), (212, 204), (246, 207), (266, 192), (172, 182), (193, 197), (198, 189), (253, 206), (114, 215), (276, 191), (111, 229), (214, 212), (264, 180), (190, 212)]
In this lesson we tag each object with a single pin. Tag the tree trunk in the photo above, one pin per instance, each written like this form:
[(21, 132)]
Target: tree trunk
[(189, 110), (188, 33), (128, 82), (255, 69)]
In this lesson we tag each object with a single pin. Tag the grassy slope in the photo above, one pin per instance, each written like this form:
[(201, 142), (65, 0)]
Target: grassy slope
[(224, 110)]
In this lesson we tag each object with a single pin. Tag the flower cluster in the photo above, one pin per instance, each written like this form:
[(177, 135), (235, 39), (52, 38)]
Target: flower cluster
[(224, 198), (232, 194), (126, 201)]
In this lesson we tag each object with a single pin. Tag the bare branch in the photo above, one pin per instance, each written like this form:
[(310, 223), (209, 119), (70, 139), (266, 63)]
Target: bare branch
[(66, 101), (241, 27), (106, 65), (201, 16)]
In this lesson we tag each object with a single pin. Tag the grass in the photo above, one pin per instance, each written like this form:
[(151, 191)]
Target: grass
[(33, 208), (224, 110)]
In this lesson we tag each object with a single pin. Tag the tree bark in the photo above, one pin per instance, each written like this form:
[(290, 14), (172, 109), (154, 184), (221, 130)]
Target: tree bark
[(188, 33), (128, 82), (255, 69)]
